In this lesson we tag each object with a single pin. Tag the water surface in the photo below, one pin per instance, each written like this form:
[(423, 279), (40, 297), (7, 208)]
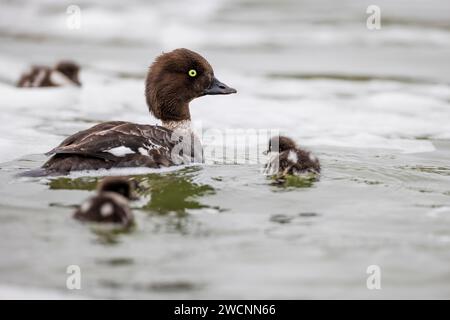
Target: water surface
[(373, 106)]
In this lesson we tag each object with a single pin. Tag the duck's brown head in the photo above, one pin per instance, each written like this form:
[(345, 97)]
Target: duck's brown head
[(175, 79), (280, 144), (120, 185), (70, 69)]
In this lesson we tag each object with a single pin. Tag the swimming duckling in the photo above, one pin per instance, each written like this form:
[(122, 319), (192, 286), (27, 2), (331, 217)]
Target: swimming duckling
[(64, 73), (110, 205), (286, 158)]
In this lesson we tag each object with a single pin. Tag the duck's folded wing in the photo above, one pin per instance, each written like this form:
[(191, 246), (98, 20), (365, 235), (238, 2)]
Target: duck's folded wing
[(80, 136), (110, 140)]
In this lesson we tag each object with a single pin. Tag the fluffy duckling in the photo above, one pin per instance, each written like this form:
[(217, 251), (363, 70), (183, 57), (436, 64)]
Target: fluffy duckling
[(286, 158), (110, 205), (64, 73)]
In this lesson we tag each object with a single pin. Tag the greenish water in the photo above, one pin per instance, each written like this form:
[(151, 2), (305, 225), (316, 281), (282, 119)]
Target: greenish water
[(225, 231)]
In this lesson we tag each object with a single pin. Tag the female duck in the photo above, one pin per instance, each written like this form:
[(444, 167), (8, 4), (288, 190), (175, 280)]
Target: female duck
[(174, 80)]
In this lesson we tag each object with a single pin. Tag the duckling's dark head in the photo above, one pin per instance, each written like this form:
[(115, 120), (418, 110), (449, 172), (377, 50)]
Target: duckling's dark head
[(175, 79), (280, 144), (70, 69), (120, 185)]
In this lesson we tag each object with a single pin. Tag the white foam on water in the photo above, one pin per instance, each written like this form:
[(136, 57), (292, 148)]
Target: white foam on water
[(337, 113), (441, 212), (379, 114), (362, 114), (126, 171)]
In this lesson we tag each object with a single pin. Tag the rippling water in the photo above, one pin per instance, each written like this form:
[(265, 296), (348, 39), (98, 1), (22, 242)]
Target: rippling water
[(374, 106)]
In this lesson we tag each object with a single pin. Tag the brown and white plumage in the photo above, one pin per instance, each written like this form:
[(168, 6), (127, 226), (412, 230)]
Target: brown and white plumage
[(113, 144), (110, 204), (286, 158), (170, 86), (64, 73)]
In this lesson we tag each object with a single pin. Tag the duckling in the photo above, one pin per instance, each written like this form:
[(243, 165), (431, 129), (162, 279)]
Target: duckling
[(64, 73), (173, 81), (110, 205), (286, 158)]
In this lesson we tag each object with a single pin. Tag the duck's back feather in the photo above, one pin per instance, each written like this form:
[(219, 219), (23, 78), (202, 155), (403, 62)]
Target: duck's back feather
[(113, 144), (38, 76)]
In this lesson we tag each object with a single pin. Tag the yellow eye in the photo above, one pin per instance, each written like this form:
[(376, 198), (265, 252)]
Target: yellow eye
[(192, 73)]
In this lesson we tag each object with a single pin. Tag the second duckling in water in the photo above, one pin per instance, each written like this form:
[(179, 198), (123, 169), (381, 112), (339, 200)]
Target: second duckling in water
[(110, 205), (286, 158), (64, 73)]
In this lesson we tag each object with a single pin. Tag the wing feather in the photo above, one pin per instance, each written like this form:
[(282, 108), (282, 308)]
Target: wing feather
[(98, 140)]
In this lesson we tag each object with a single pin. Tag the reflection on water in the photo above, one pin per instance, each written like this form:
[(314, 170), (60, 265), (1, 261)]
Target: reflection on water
[(171, 192), (110, 234), (84, 183), (174, 193), (290, 182), (293, 230)]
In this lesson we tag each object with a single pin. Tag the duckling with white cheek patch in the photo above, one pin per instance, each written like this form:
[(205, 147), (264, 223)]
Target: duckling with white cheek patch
[(286, 158), (110, 205)]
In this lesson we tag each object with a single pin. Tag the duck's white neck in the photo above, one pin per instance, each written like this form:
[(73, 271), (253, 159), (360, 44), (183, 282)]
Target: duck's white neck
[(178, 125), (191, 144)]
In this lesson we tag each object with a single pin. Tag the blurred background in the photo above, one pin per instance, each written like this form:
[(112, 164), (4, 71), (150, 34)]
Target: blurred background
[(374, 105)]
